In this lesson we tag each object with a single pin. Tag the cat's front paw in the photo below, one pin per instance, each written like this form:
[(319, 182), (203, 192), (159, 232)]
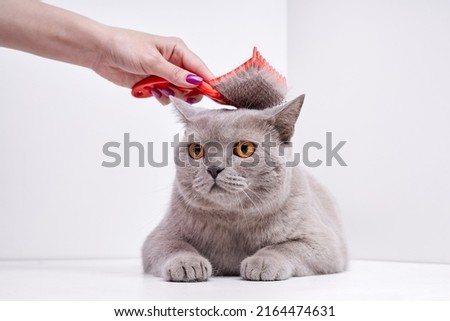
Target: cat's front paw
[(187, 268), (265, 268)]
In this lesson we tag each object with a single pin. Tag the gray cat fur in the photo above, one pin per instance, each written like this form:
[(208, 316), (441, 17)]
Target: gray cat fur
[(261, 222)]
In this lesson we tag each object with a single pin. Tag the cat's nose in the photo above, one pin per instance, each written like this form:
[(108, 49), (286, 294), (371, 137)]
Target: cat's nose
[(214, 171)]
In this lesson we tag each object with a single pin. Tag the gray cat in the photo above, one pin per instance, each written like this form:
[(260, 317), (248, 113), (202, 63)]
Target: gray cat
[(237, 209)]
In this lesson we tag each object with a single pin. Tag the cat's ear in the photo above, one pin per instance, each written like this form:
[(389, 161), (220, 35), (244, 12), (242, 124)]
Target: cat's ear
[(283, 117), (185, 110)]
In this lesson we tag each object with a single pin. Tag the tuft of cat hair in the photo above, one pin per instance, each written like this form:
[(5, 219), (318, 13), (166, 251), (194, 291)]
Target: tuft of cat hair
[(253, 87), (246, 213)]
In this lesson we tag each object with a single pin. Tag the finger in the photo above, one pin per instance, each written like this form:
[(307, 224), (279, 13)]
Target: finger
[(169, 92), (172, 91), (188, 96), (193, 63), (163, 100), (193, 99), (186, 58), (176, 75)]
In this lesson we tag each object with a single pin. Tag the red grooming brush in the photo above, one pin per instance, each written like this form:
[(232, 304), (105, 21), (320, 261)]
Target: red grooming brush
[(254, 84)]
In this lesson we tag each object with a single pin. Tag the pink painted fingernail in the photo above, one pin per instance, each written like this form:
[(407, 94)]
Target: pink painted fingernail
[(156, 93), (191, 100), (167, 91), (194, 79)]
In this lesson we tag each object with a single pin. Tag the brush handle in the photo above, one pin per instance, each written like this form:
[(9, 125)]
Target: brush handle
[(143, 88)]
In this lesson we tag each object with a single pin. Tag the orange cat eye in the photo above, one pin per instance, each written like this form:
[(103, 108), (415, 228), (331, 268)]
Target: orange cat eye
[(196, 151), (244, 149)]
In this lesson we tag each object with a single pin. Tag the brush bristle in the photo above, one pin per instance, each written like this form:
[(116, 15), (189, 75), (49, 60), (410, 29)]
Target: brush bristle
[(255, 84)]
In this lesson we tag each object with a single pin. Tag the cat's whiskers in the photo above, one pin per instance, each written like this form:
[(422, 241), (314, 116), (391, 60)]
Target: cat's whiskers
[(243, 213), (201, 185), (255, 193), (250, 199), (269, 202)]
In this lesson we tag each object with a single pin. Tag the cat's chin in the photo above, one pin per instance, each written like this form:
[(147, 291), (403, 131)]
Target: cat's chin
[(213, 195), (217, 189), (220, 195), (225, 191)]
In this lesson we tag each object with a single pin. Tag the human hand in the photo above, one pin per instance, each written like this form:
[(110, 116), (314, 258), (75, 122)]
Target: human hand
[(128, 56), (119, 55)]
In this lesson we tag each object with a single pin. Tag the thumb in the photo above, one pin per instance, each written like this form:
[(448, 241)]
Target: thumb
[(176, 75)]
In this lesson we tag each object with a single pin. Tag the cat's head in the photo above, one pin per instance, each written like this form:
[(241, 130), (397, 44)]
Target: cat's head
[(232, 159)]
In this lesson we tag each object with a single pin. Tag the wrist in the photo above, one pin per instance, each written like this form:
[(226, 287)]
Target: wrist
[(96, 46)]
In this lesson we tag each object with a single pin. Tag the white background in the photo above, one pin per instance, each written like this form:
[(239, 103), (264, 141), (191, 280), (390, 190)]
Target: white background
[(375, 74)]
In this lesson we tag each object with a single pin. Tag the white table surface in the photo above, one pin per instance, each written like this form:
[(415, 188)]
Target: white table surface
[(122, 279)]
